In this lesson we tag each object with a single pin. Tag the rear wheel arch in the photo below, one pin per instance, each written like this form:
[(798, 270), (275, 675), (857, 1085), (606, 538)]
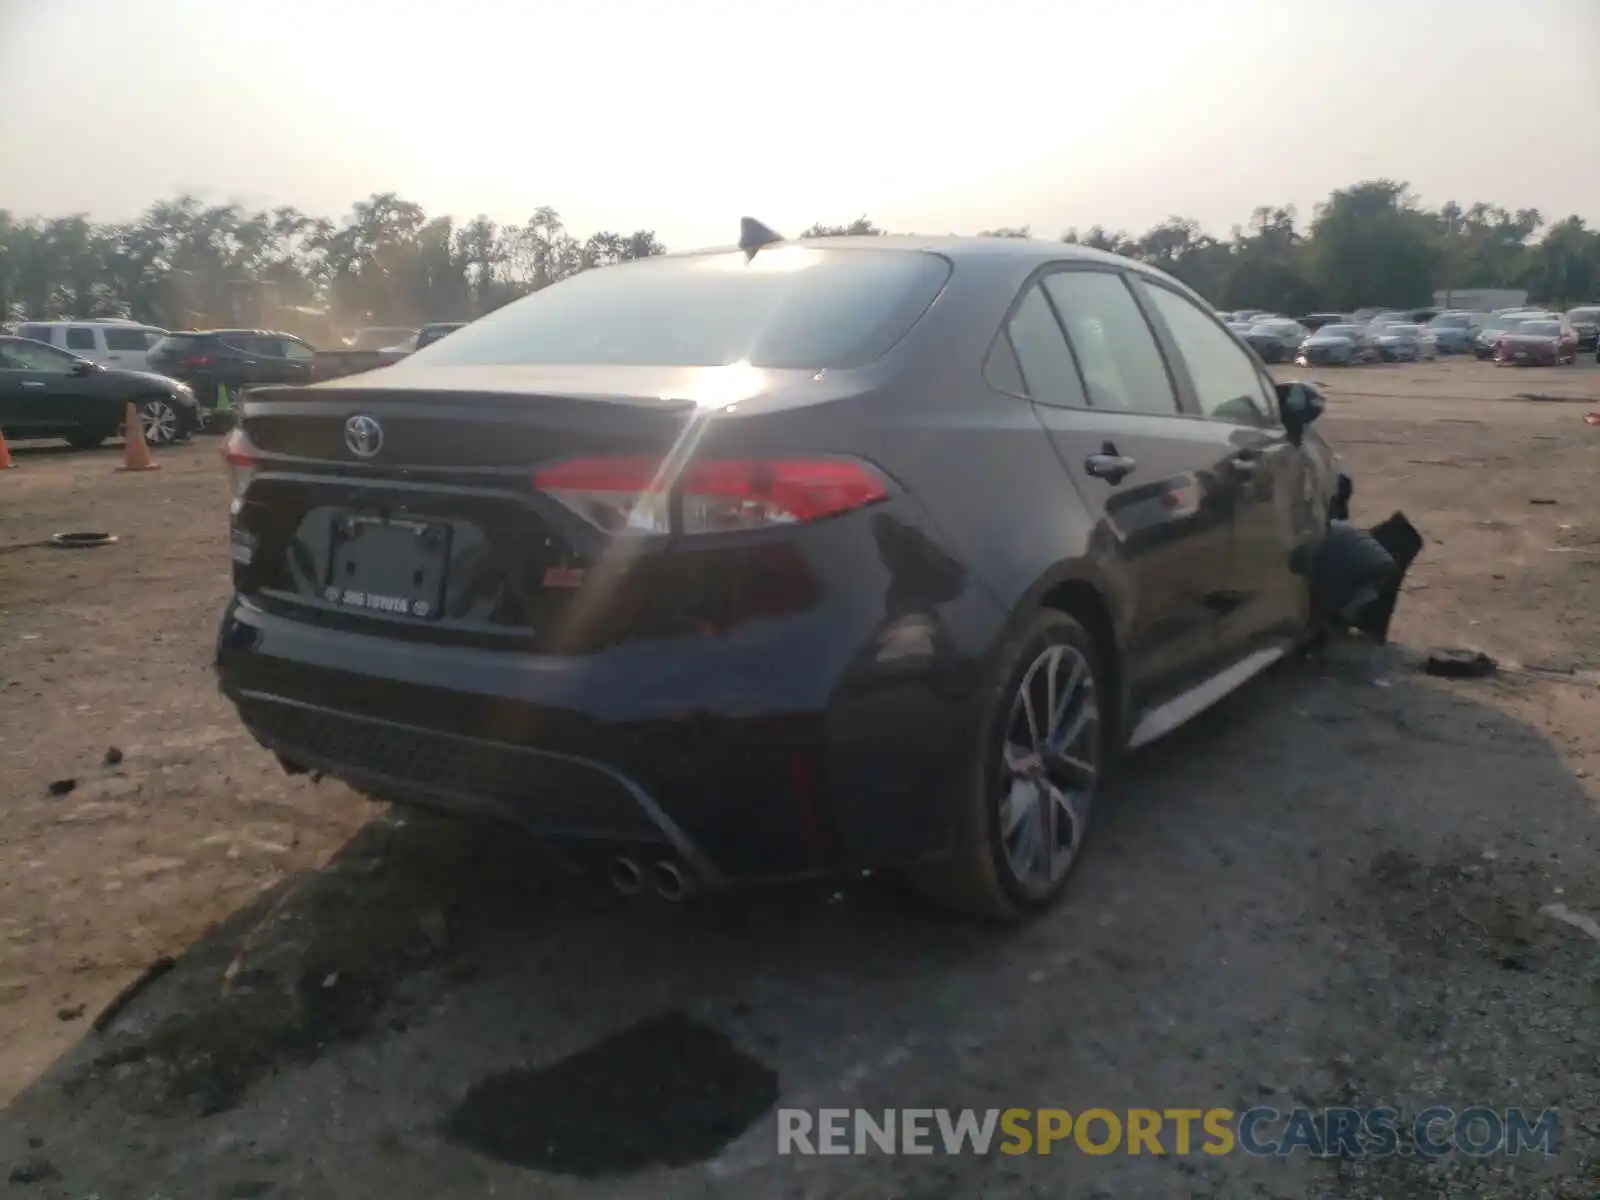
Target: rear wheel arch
[(1084, 602)]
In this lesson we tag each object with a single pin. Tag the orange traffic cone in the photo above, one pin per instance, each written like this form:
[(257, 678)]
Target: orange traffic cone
[(135, 454), (5, 455)]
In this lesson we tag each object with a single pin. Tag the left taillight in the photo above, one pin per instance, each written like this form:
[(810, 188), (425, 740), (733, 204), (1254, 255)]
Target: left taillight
[(714, 495), (239, 453)]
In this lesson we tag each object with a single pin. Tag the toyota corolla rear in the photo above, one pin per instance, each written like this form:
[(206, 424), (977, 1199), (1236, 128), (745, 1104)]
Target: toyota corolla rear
[(616, 563)]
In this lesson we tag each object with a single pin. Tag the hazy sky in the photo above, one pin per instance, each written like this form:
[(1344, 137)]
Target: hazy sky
[(682, 117)]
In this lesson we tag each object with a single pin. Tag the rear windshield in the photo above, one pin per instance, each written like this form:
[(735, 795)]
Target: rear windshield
[(788, 307), (1539, 328)]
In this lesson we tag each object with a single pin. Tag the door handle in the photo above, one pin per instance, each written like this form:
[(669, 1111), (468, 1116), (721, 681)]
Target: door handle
[(33, 385), (1110, 464)]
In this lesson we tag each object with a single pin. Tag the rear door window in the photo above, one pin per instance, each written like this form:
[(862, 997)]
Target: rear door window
[(127, 339), (38, 333), (175, 344), (80, 337), (1123, 370), (790, 306)]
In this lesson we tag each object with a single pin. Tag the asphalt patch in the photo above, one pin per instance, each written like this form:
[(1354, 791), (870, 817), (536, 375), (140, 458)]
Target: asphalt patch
[(667, 1092)]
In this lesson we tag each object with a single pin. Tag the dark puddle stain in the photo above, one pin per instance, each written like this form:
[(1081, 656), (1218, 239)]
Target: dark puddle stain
[(667, 1092)]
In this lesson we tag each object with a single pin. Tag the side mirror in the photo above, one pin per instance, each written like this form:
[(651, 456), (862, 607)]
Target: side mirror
[(83, 367), (1300, 404)]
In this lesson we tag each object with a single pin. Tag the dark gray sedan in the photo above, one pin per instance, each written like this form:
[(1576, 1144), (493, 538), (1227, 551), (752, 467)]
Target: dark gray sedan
[(48, 393), (1277, 340)]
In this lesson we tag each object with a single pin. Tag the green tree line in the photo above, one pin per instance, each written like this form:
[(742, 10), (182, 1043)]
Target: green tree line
[(389, 262)]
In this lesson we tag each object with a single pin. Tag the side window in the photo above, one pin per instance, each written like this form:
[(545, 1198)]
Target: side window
[(1226, 382), (1001, 368), (28, 357), (1048, 372), (298, 351), (267, 347), (1123, 370), (127, 339), (80, 337), (38, 333)]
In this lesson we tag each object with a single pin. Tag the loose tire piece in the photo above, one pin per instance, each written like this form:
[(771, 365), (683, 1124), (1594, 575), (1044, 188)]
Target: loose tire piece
[(978, 876)]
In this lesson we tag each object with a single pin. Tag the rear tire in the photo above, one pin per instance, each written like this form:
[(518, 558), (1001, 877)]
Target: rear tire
[(1027, 795)]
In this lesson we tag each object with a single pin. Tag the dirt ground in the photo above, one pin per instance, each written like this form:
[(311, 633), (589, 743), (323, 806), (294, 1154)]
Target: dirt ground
[(1332, 889)]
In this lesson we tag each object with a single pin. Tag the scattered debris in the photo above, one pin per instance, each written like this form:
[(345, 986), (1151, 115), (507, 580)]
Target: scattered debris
[(82, 541), (128, 994), (1540, 500), (1577, 920), (113, 756), (60, 787), (71, 1013), (1459, 664)]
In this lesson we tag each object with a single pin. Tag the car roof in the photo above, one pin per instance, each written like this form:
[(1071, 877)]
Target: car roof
[(959, 248), (218, 332)]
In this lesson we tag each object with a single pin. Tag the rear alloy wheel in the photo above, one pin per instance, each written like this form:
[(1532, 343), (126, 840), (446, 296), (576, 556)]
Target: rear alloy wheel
[(1029, 799), (1050, 763), (160, 421)]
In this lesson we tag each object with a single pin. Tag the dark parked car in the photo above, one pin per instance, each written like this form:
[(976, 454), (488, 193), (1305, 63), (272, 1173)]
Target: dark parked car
[(1316, 321), (1495, 327), (1277, 339), (48, 393), (1585, 322), (1536, 343), (776, 560), (1399, 342), (434, 330), (239, 358), (381, 337), (1337, 345), (1455, 332)]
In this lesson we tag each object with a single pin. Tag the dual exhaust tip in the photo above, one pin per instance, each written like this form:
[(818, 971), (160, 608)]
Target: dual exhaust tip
[(666, 877)]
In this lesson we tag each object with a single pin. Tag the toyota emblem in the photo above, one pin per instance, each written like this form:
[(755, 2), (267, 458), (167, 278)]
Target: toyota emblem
[(364, 436)]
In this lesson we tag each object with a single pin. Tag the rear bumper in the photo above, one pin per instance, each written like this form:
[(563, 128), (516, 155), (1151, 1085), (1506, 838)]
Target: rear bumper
[(788, 749)]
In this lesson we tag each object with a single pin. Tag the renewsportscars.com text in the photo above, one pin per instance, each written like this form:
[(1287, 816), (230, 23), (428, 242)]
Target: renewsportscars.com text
[(1261, 1132)]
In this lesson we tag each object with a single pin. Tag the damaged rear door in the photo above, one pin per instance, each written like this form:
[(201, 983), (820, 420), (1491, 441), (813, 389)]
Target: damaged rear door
[(1276, 517)]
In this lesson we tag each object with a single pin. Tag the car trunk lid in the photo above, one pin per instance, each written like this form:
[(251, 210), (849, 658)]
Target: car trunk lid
[(403, 503)]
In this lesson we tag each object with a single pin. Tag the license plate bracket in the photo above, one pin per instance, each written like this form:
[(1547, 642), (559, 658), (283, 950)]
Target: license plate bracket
[(391, 565)]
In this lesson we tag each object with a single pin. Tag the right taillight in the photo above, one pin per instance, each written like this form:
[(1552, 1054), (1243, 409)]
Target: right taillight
[(239, 453), (637, 494), (197, 360)]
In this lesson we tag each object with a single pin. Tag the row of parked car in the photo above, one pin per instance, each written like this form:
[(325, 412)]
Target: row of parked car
[(74, 379), (1508, 337)]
